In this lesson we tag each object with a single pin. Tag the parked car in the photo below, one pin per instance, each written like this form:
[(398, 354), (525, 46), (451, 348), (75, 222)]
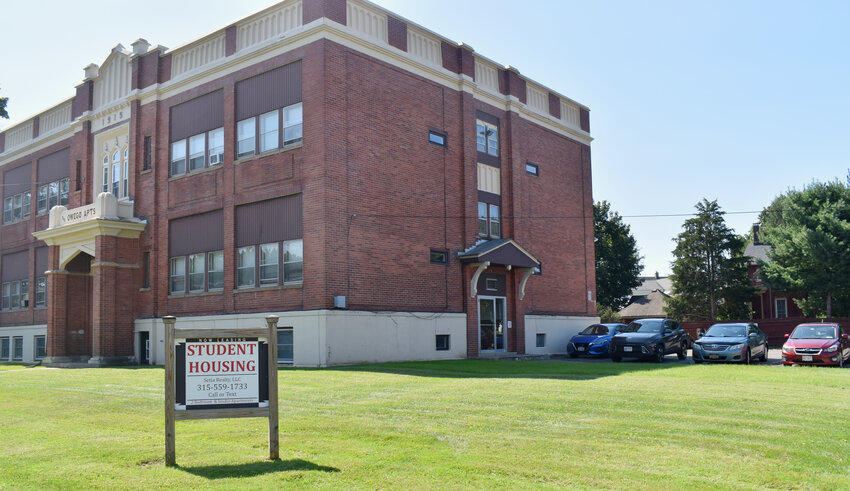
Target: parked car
[(650, 338), (593, 340), (816, 344), (735, 342)]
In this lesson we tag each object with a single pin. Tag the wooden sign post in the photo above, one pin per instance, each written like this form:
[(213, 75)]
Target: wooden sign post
[(220, 373)]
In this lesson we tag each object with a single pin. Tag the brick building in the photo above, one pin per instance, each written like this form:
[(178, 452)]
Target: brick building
[(390, 194)]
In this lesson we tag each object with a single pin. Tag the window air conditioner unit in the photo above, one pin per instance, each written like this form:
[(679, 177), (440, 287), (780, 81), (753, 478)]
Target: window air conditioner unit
[(215, 159)]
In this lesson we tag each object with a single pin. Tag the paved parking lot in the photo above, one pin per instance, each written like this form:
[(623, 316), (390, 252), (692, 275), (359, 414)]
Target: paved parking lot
[(774, 357)]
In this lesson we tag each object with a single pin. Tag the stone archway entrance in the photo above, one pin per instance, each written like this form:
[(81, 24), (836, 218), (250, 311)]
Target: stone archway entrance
[(93, 258)]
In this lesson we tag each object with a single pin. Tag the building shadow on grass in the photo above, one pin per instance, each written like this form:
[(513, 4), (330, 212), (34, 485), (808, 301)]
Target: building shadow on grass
[(255, 469), (549, 369)]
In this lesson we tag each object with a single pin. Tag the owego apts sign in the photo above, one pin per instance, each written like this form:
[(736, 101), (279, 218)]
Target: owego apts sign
[(219, 373)]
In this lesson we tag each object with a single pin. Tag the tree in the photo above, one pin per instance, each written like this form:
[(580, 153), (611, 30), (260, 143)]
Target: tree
[(809, 232), (617, 259), (3, 113), (710, 270)]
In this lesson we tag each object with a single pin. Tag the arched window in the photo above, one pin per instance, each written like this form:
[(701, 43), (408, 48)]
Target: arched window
[(126, 172), (105, 182), (116, 173)]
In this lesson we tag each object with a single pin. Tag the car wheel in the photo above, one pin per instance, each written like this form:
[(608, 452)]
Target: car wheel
[(840, 360), (683, 351), (616, 358), (747, 359), (659, 354), (573, 355), (764, 354)]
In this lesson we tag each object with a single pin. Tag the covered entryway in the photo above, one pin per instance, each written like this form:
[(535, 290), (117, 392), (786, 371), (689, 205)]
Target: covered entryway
[(93, 261), (498, 271)]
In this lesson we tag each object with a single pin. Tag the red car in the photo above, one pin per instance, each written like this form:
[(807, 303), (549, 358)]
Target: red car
[(816, 344)]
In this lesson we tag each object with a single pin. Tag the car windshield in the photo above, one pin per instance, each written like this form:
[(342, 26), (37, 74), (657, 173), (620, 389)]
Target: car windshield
[(649, 325), (726, 331), (597, 329), (814, 332)]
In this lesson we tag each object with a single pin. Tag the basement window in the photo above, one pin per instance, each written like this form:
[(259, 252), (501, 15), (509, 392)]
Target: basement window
[(541, 340), (443, 342)]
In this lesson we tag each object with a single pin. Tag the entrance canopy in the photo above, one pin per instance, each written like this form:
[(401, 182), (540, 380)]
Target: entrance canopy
[(499, 252), (502, 252)]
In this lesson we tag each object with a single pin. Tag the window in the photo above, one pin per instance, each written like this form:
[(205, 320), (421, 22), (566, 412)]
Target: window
[(146, 264), (178, 275), (40, 343), (439, 257), (489, 224), (437, 138), (204, 149), (491, 284), (245, 135), (216, 146), (215, 270), (269, 255), (78, 184), (105, 181), (284, 345), (443, 342), (116, 172), (41, 291), (487, 138), (15, 295), (541, 340), (269, 131), (532, 168), (245, 267), (4, 349), (196, 272), (196, 152), (292, 124), (17, 207), (781, 308), (52, 194), (293, 261), (146, 165), (125, 175), (261, 134), (18, 348)]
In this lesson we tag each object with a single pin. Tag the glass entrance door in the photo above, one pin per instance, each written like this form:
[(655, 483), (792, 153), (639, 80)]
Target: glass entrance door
[(491, 323)]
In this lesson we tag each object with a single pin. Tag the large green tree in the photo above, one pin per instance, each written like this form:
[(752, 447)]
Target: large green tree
[(710, 270), (617, 259), (3, 113), (809, 232)]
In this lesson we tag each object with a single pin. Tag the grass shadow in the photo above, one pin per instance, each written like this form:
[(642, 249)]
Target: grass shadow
[(255, 469), (471, 368)]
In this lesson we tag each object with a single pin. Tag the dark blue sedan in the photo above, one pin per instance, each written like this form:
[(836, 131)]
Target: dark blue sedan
[(593, 341)]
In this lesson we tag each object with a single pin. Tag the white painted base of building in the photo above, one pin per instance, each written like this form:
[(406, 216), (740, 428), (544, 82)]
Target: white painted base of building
[(557, 331), (27, 336), (335, 337)]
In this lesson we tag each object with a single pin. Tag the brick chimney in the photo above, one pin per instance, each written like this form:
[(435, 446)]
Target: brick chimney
[(756, 240)]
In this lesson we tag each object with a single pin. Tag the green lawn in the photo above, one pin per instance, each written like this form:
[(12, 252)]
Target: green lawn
[(436, 425)]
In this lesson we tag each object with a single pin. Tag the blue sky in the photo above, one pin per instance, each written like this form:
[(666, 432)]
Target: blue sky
[(734, 101)]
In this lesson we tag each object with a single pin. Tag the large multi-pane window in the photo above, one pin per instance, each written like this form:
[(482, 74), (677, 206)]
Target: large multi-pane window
[(197, 260), (254, 137), (17, 207), (5, 352), (203, 150), (196, 133), (41, 291), (268, 111), (52, 194), (15, 295), (284, 345), (116, 169), (269, 248), (487, 138), (489, 222)]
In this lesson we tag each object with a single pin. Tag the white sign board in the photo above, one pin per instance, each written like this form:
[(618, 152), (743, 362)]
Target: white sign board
[(222, 371)]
